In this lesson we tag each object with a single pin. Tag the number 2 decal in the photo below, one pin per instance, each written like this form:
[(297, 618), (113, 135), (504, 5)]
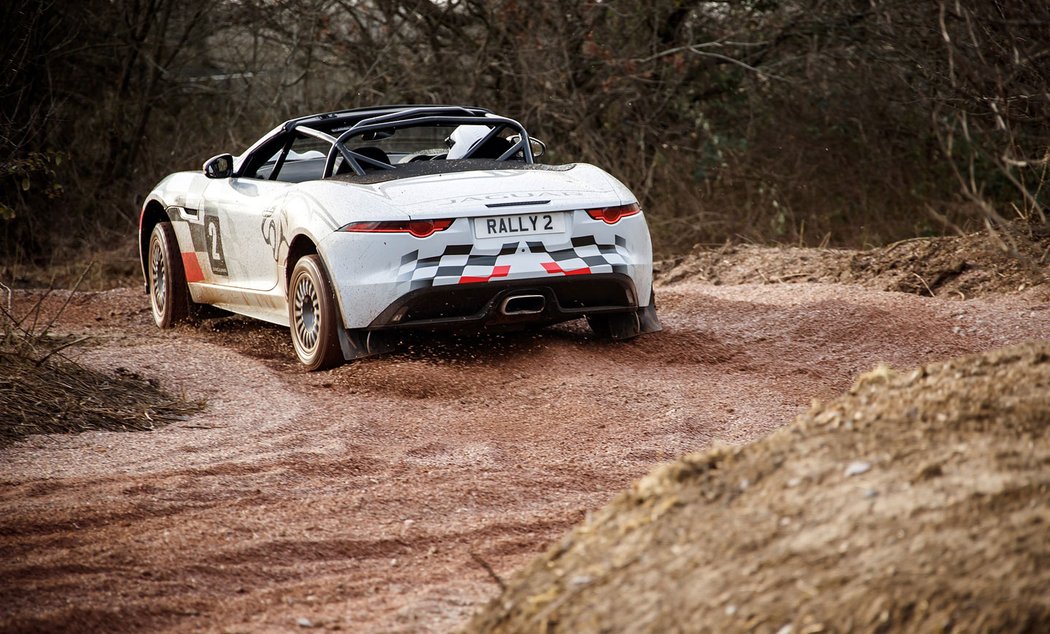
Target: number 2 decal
[(213, 238)]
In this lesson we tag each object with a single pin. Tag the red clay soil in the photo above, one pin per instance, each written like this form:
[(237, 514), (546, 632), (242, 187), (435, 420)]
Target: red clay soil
[(389, 494)]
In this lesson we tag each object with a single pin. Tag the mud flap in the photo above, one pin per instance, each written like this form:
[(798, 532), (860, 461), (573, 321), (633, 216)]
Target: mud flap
[(357, 344), (647, 319)]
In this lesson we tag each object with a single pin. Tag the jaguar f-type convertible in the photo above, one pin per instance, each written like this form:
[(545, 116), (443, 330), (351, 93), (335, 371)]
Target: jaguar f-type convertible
[(350, 227)]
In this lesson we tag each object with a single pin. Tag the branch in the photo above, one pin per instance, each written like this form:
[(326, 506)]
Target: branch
[(695, 49)]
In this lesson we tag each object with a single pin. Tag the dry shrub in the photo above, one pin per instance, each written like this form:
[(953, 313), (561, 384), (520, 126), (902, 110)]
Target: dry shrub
[(42, 391)]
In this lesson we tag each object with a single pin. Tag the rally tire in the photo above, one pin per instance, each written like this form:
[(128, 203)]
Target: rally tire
[(616, 326), (168, 293), (312, 315)]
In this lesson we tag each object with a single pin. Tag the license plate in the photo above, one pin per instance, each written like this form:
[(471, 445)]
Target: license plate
[(521, 225)]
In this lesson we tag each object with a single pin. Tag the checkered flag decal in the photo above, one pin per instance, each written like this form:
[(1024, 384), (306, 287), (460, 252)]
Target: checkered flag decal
[(585, 256), (466, 264)]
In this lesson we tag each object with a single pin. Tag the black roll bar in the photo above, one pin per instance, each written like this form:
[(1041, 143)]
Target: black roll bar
[(422, 116)]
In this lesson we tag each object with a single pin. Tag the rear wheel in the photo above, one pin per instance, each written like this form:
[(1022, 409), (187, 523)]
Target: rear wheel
[(615, 325), (312, 315), (168, 293)]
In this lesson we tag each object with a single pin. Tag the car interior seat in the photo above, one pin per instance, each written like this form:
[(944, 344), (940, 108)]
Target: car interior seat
[(371, 152), (493, 148)]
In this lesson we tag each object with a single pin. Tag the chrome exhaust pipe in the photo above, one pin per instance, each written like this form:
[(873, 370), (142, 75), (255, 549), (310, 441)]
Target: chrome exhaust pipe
[(523, 305)]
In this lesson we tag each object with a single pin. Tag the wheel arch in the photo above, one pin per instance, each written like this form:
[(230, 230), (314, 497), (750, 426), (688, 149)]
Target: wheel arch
[(153, 214), (300, 246)]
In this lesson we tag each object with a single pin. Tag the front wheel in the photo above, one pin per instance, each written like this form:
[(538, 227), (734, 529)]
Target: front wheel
[(168, 293), (312, 315)]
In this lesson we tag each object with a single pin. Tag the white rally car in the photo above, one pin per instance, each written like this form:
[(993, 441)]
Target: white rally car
[(349, 226)]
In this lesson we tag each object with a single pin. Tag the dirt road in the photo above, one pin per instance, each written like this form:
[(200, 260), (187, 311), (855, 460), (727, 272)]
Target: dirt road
[(367, 498)]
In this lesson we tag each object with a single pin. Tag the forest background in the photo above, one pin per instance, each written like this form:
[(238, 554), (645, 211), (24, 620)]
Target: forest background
[(811, 122)]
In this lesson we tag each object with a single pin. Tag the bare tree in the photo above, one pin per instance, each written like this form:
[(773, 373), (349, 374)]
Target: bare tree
[(810, 121)]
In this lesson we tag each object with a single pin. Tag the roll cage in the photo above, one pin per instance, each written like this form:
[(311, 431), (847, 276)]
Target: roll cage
[(348, 124)]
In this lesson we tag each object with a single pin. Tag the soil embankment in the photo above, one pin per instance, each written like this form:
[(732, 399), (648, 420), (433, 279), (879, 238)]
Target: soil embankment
[(916, 502)]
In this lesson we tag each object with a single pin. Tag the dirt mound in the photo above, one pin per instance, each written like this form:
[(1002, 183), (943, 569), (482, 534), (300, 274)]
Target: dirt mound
[(916, 502), (960, 267)]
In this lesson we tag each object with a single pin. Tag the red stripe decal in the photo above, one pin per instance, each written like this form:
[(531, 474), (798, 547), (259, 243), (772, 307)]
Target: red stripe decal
[(499, 271), (554, 268), (192, 267)]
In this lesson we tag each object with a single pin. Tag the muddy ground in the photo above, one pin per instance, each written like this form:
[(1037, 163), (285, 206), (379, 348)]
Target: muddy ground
[(389, 494)]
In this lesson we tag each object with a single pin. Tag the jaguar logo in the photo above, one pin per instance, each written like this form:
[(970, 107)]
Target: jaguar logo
[(273, 231), (516, 195)]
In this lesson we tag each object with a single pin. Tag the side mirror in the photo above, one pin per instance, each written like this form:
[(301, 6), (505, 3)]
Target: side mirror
[(220, 166), (539, 148)]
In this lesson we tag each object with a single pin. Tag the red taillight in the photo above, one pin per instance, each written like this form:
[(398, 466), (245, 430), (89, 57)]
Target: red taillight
[(612, 215), (416, 228)]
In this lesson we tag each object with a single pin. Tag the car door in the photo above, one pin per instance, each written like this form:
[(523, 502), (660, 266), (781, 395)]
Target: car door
[(236, 213)]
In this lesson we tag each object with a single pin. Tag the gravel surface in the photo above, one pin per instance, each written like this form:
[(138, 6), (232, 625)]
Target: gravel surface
[(375, 496)]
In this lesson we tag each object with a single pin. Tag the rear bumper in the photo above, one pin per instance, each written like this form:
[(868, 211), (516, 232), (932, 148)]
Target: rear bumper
[(376, 275), (489, 306), (485, 305)]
